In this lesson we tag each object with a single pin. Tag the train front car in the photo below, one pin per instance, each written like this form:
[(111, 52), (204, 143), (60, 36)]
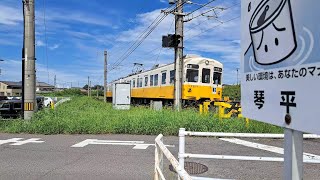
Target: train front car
[(202, 80)]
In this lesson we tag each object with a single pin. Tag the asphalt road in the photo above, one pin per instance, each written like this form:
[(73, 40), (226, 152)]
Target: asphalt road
[(55, 158)]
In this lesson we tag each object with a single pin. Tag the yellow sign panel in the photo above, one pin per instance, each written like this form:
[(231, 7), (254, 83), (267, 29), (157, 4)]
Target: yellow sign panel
[(28, 106)]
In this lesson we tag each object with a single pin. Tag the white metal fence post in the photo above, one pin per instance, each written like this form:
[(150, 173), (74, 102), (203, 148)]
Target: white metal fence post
[(293, 155), (181, 147), (158, 160)]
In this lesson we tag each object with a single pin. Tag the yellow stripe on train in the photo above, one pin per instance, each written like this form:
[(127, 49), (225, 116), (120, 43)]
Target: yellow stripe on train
[(190, 92)]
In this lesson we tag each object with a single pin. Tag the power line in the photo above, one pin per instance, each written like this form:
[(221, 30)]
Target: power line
[(45, 35), (143, 32), (137, 43), (167, 33)]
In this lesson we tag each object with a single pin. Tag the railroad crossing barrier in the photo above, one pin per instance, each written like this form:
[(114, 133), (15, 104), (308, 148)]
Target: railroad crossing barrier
[(204, 108), (225, 109)]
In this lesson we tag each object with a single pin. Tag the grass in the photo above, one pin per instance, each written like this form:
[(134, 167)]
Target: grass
[(85, 115)]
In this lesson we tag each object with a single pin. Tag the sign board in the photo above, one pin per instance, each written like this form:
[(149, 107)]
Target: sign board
[(280, 63)]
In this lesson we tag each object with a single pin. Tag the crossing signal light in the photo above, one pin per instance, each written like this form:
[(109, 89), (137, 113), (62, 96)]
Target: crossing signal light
[(172, 40)]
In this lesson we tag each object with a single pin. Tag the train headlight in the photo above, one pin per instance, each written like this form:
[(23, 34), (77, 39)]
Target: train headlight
[(189, 90), (206, 62)]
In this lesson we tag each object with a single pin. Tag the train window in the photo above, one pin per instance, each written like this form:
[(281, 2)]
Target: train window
[(5, 105), (140, 85), (192, 75), (151, 80), (205, 75), (172, 77), (146, 81), (216, 78), (134, 83), (164, 78), (138, 82), (17, 105), (156, 80)]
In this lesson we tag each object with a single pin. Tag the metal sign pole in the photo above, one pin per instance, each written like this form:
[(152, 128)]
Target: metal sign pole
[(293, 154)]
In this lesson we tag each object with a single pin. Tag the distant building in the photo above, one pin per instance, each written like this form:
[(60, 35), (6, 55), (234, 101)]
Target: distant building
[(10, 88), (44, 87)]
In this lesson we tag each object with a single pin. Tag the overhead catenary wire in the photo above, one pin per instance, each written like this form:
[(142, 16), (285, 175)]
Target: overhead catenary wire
[(224, 9), (222, 23), (202, 6)]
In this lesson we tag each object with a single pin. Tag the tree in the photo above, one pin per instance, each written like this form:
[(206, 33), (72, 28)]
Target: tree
[(85, 87), (99, 87)]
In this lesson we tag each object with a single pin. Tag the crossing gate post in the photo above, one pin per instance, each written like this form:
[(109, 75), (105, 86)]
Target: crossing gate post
[(200, 108), (206, 107)]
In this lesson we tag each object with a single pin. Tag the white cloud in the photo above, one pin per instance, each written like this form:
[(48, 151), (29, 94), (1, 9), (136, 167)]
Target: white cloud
[(71, 16), (55, 46), (10, 16), (40, 43)]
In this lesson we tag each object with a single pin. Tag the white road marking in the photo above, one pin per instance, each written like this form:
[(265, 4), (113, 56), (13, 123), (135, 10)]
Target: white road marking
[(266, 147), (136, 144), (19, 141)]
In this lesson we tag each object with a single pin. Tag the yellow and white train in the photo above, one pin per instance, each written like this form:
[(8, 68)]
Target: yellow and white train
[(202, 80)]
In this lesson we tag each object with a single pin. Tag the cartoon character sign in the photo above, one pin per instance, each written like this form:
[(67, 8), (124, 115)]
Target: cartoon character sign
[(272, 31)]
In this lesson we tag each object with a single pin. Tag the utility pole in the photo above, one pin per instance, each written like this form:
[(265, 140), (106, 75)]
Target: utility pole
[(0, 61), (97, 91), (105, 77), (55, 81), (90, 89), (29, 73), (237, 76), (88, 86), (178, 65)]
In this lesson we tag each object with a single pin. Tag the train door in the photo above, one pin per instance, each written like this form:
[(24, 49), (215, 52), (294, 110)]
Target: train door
[(217, 80)]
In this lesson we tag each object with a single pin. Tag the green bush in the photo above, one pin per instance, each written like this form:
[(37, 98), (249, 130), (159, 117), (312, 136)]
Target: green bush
[(232, 91)]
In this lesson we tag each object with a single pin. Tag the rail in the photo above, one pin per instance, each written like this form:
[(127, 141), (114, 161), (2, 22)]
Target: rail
[(159, 151)]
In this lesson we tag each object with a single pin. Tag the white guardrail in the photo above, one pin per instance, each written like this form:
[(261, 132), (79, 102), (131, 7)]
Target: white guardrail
[(179, 166), (159, 151)]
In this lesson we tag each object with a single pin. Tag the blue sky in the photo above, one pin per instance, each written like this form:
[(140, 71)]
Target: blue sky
[(78, 31)]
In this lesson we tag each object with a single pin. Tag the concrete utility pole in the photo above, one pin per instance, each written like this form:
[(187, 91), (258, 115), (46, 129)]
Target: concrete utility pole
[(237, 76), (55, 81), (29, 72), (0, 61), (178, 65), (88, 89), (105, 77)]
